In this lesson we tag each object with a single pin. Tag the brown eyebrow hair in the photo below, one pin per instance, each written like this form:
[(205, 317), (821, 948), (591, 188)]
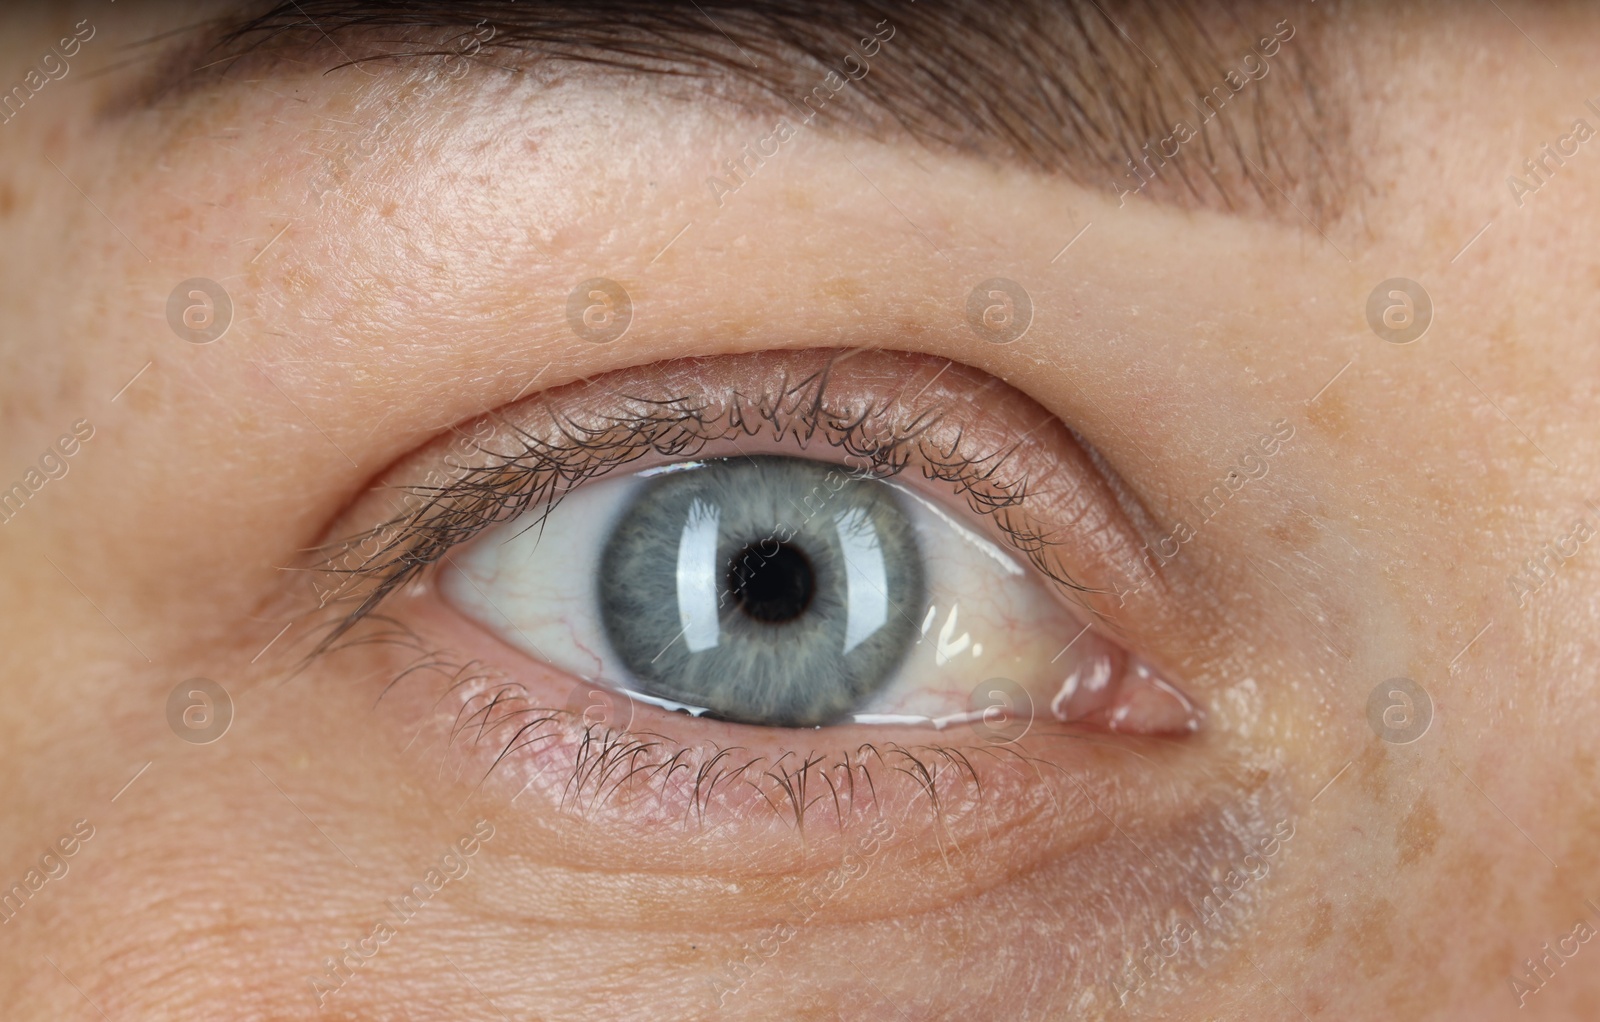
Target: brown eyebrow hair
[(1095, 91)]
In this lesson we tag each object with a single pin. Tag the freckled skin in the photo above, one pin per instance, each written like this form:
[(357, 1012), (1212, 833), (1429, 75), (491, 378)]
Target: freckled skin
[(1321, 927), (1419, 832), (425, 284)]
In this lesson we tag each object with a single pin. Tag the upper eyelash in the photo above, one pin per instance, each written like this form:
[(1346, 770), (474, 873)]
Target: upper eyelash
[(545, 469)]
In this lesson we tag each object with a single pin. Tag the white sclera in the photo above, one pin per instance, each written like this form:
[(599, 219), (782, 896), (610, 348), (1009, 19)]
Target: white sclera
[(987, 615)]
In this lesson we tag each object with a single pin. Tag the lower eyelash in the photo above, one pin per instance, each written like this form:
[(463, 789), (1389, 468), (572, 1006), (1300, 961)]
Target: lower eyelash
[(546, 468), (609, 763)]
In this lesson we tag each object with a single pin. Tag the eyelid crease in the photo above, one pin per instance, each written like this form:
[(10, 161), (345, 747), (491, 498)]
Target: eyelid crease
[(789, 396)]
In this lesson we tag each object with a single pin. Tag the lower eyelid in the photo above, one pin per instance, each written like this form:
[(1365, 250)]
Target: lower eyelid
[(557, 745)]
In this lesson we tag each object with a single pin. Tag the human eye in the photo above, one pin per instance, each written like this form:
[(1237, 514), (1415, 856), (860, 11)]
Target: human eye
[(727, 550), (817, 587)]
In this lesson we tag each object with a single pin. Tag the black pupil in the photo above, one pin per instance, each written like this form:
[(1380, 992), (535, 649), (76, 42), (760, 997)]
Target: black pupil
[(772, 588)]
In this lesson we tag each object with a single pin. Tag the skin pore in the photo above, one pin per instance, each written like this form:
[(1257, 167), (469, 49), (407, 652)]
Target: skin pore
[(394, 288)]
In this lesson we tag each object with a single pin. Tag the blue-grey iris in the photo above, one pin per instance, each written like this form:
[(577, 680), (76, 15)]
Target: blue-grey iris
[(767, 590)]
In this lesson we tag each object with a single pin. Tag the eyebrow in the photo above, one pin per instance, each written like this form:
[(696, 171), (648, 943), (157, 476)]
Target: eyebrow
[(1197, 103)]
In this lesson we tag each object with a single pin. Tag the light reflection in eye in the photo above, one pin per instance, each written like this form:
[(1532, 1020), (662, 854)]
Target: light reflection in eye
[(735, 597), (866, 581), (697, 577)]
